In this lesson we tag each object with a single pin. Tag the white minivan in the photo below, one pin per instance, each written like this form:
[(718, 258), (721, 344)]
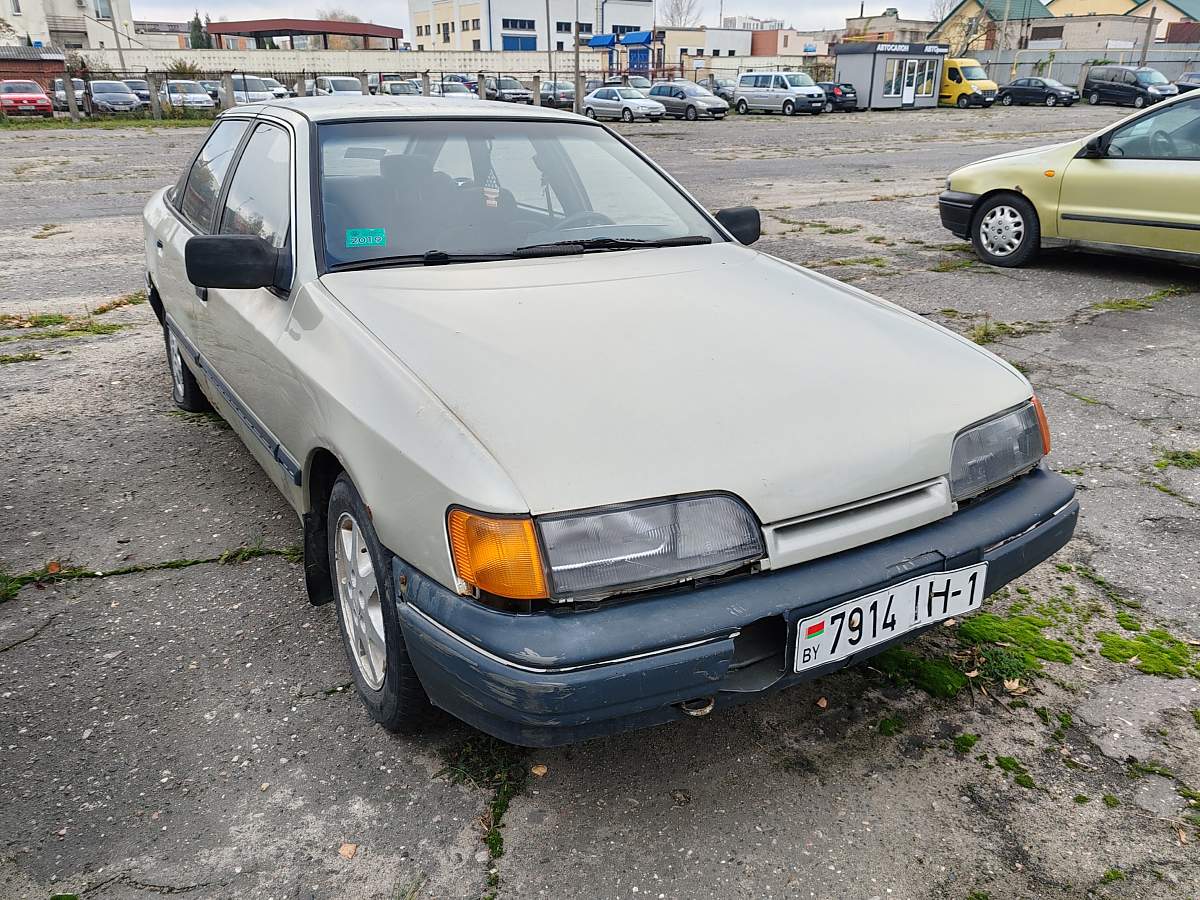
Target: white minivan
[(784, 92)]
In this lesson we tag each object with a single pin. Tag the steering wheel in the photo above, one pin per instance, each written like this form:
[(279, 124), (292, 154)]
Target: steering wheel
[(583, 220), (1162, 144)]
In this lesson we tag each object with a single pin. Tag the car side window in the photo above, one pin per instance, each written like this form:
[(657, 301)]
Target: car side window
[(1170, 133), (780, 84), (259, 198), (204, 180), (746, 81), (952, 74), (1128, 77)]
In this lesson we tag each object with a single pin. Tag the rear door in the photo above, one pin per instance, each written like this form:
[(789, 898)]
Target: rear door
[(1143, 192)]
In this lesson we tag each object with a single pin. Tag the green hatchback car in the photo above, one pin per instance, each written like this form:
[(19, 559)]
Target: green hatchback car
[(1130, 187)]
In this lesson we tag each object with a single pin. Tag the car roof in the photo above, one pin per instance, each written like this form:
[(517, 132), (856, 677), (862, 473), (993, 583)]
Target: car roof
[(403, 106)]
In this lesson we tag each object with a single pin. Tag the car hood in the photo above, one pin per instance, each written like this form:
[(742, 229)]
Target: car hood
[(25, 96), (614, 377), (1029, 153)]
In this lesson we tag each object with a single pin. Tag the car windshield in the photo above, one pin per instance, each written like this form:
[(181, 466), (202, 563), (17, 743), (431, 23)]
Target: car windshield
[(799, 79), (510, 84), (400, 87), (135, 85), (1151, 76), (394, 191), (1053, 83), (639, 82), (694, 90), (248, 84), (453, 87), (345, 84), (558, 86), (271, 83), (974, 73), (110, 87), (186, 87), (629, 94), (19, 87)]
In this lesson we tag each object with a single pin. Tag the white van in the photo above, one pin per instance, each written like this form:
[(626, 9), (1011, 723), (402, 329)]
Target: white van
[(785, 92)]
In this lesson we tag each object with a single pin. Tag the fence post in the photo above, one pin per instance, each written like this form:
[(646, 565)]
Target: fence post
[(537, 90), (580, 83), (69, 94), (479, 88), (362, 79), (424, 84), (228, 101), (155, 106)]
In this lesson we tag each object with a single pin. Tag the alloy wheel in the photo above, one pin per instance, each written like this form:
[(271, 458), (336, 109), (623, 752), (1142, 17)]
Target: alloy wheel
[(176, 364), (1051, 100), (361, 602), (1007, 100), (1002, 231)]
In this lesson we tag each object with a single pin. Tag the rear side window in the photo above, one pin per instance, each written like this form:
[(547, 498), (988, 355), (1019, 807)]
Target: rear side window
[(259, 198), (747, 81), (198, 200)]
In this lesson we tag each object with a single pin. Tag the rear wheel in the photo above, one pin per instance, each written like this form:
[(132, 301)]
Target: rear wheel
[(1139, 101), (627, 115), (1007, 100), (1005, 231), (788, 107), (367, 613), (185, 391), (828, 106), (743, 107), (690, 114)]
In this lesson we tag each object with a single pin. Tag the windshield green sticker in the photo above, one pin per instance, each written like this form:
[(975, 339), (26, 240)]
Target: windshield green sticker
[(366, 237)]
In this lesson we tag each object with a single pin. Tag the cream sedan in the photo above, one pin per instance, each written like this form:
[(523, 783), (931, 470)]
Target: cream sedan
[(568, 456), (1132, 186)]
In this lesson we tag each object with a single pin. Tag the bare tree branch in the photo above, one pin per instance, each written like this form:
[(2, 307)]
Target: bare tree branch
[(680, 13)]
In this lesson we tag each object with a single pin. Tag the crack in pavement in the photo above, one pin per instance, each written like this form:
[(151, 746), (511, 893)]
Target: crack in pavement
[(29, 637)]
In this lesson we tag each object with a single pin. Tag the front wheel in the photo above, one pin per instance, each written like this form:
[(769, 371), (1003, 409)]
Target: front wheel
[(690, 114), (185, 390), (589, 112), (627, 115), (1094, 98), (1005, 231), (1052, 101), (368, 615), (743, 107), (788, 107), (962, 102)]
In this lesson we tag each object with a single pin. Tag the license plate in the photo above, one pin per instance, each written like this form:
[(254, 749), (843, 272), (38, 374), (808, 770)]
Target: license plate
[(857, 625)]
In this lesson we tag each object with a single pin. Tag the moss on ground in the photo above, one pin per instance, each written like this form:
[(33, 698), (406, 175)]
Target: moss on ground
[(1110, 801), (891, 726), (7, 359), (964, 743), (1132, 304), (1020, 632), (1181, 459), (1128, 622), (1155, 652), (934, 676)]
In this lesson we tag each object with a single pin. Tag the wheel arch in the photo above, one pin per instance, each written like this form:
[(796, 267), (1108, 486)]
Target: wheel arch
[(321, 470), (996, 192), (155, 301)]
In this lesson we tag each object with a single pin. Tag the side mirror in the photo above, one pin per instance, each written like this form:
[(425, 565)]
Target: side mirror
[(1093, 149), (240, 261), (743, 222)]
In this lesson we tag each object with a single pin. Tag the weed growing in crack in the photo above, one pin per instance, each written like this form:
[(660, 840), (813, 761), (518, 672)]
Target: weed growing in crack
[(493, 765)]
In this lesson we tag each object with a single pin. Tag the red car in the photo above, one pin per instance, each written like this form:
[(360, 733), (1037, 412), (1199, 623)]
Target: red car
[(24, 98)]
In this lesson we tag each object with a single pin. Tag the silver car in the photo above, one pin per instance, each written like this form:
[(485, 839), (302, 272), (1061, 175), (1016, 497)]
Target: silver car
[(783, 92), (624, 103), (687, 100)]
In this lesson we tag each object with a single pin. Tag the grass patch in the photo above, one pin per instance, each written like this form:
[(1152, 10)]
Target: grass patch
[(1128, 622), (1070, 471), (34, 320), (1196, 717), (1110, 801), (934, 676), (49, 231), (1022, 633), (1083, 398), (1155, 652), (1180, 459), (65, 124), (1138, 769), (1009, 764), (1111, 875), (1132, 304), (989, 331), (1025, 780), (7, 359), (135, 299), (492, 765), (891, 726), (964, 743), (843, 230), (73, 329), (953, 265), (881, 240), (877, 261), (1003, 664), (1081, 799)]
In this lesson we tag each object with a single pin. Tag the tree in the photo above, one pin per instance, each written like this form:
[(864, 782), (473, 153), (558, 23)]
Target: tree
[(208, 44), (680, 13), (939, 9), (336, 14), (196, 38)]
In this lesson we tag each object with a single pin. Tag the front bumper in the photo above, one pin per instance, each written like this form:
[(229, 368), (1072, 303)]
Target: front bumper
[(30, 110), (956, 209), (567, 675)]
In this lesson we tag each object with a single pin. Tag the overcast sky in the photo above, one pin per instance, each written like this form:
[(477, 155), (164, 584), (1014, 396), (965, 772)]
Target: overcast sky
[(797, 13)]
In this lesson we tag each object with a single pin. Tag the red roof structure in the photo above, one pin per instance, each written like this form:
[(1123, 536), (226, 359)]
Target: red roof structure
[(260, 30)]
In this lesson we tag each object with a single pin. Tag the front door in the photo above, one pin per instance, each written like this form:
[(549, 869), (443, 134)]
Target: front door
[(909, 95), (639, 59), (1142, 192)]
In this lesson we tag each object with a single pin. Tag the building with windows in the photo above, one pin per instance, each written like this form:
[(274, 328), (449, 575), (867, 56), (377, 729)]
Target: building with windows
[(892, 75), (790, 42), (71, 24), (975, 25), (521, 24), (750, 23), (888, 27)]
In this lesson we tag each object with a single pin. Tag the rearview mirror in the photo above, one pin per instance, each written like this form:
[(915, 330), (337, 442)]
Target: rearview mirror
[(743, 222), (1093, 149), (240, 261)]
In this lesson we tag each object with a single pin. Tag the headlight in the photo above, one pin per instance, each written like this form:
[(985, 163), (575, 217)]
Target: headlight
[(994, 451), (648, 544)]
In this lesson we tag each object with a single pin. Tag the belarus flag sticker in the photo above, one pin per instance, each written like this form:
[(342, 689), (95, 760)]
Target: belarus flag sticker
[(815, 630)]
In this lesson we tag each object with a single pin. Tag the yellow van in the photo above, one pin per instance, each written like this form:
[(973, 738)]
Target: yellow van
[(966, 83)]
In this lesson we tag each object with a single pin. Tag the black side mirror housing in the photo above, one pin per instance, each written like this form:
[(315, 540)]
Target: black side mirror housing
[(1093, 149), (237, 261), (743, 222)]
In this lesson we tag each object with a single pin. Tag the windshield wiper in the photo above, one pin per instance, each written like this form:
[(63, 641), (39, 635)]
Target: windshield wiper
[(429, 258), (565, 248)]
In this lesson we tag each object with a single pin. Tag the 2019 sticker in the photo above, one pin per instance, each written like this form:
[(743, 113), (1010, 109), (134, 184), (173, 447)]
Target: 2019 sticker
[(366, 237)]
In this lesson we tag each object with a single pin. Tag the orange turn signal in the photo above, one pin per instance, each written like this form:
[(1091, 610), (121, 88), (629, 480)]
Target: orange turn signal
[(1042, 424), (497, 555)]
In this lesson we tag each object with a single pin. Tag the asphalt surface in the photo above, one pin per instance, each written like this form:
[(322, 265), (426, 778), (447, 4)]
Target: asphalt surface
[(190, 728)]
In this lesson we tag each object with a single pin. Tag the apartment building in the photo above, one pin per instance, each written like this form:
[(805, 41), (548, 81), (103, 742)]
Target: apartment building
[(521, 24), (70, 24)]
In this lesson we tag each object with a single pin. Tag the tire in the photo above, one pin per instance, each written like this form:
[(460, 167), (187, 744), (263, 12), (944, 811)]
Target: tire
[(627, 115), (589, 112), (185, 390), (1051, 101), (828, 106), (962, 102), (1006, 100), (1094, 98), (1005, 231), (742, 107), (789, 108), (690, 114), (366, 606), (1139, 102)]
